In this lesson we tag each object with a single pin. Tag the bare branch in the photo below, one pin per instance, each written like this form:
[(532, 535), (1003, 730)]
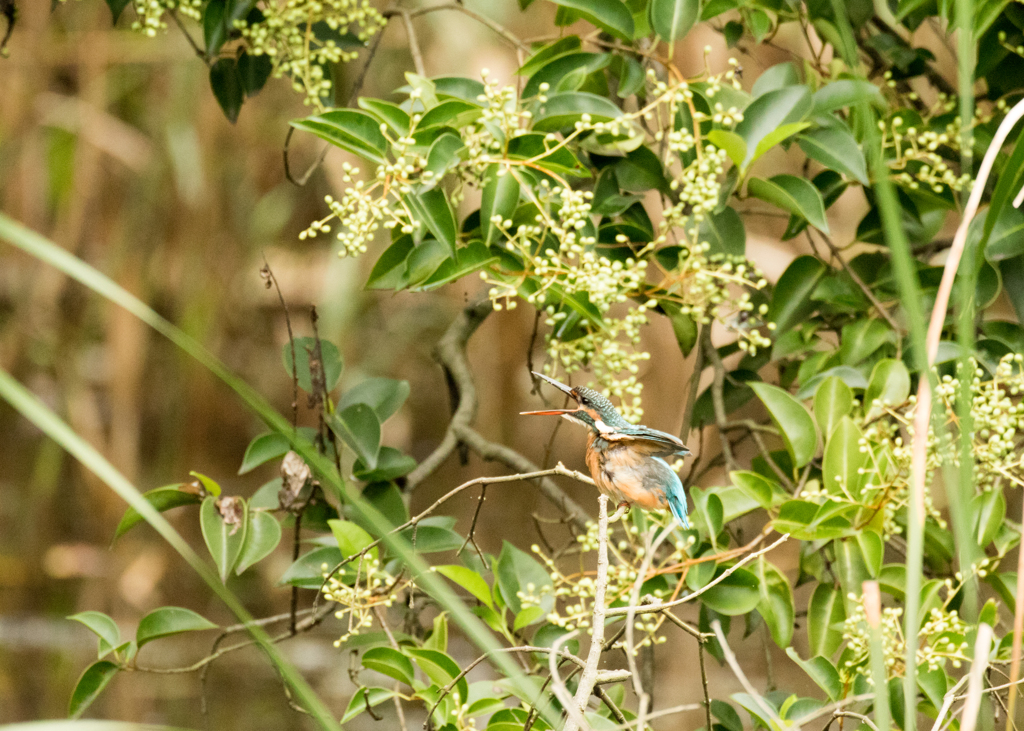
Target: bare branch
[(459, 7), (730, 658)]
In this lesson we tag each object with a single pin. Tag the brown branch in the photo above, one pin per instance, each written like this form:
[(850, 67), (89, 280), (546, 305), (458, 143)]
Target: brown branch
[(717, 398), (459, 7)]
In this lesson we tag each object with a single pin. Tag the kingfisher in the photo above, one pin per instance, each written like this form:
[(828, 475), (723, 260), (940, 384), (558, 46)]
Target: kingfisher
[(625, 460)]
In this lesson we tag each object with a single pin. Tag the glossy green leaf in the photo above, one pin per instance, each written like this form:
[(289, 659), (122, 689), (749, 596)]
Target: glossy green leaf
[(861, 338), (754, 485), (724, 231), (843, 460), (672, 19), (438, 638), (167, 621), (444, 154), (836, 148), (793, 421), (329, 364), (350, 129), (427, 538), (872, 550), (889, 385), (793, 194), (224, 539), (846, 93), (777, 136), (518, 571), (561, 47), (821, 671), (364, 697), (734, 145), (350, 537), (832, 401), (226, 82), (116, 8), (388, 112), (215, 29), (359, 428), (1006, 239), (384, 395), (499, 198), (791, 300), (776, 602), (102, 626), (390, 270), (469, 580), (450, 113), (825, 615), (390, 662), (775, 77), (431, 209), (611, 16), (307, 571), (161, 498), (440, 668), (468, 260), (391, 464), (263, 449), (90, 684), (425, 261), (737, 594), (988, 511), (769, 112), (261, 538), (565, 109)]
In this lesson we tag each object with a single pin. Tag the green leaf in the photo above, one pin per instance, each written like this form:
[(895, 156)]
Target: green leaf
[(116, 8), (444, 154), (889, 385), (331, 364), (386, 497), (846, 93), (359, 428), (769, 112), (390, 270), (390, 662), (391, 464), (167, 621), (724, 231), (469, 580), (672, 19), (1006, 239), (431, 209), (832, 401), (350, 537), (549, 156), (843, 460), (776, 136), (836, 148), (793, 194), (737, 594), (565, 109), (425, 260), (262, 449), (754, 485), (517, 571), (161, 498), (776, 602), (208, 483), (861, 338), (455, 113), (988, 511), (102, 626), (871, 549), (433, 538), (500, 197), (223, 539), (226, 82), (389, 113), (438, 638), (351, 130), (364, 697), (825, 615), (822, 672), (384, 395), (611, 16), (734, 145), (261, 538), (792, 419), (254, 70), (90, 684), (561, 47), (215, 30), (468, 260), (791, 298), (527, 616), (441, 669), (307, 571), (776, 77)]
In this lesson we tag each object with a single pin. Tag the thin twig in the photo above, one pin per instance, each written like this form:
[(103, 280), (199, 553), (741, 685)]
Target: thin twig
[(268, 274), (691, 400), (730, 658), (558, 685), (859, 716), (717, 398), (497, 28)]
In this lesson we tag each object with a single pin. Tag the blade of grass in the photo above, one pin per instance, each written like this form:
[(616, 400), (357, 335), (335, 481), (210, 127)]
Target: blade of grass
[(56, 429), (873, 611), (48, 252)]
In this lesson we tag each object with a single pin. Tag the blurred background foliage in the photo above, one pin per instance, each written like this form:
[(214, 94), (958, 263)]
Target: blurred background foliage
[(112, 145)]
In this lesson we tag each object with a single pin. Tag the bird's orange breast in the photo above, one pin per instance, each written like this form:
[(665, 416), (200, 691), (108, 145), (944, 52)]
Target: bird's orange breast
[(619, 472)]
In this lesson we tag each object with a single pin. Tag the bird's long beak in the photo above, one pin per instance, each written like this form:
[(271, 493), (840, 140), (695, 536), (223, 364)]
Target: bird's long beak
[(560, 386), (554, 412)]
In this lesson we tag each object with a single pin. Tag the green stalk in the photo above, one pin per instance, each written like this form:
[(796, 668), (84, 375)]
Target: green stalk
[(49, 253), (873, 609), (56, 429)]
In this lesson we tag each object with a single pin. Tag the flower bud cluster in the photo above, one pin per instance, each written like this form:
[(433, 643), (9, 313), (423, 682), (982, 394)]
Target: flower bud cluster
[(357, 589)]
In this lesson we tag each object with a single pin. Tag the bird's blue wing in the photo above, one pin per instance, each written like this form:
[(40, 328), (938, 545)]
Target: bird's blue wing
[(648, 441), (676, 496)]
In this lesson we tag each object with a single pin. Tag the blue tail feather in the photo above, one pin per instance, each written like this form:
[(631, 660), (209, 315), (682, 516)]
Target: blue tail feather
[(677, 504)]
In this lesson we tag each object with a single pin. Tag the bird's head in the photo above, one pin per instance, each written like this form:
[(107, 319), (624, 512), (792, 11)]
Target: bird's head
[(592, 409)]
